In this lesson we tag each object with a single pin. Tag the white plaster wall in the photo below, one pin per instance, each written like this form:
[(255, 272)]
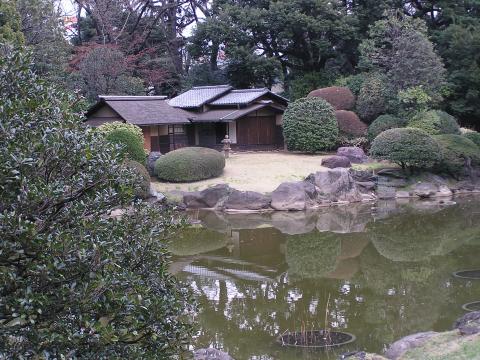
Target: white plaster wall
[(279, 119), (232, 131)]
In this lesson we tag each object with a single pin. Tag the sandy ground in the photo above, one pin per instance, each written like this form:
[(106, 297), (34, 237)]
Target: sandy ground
[(259, 171)]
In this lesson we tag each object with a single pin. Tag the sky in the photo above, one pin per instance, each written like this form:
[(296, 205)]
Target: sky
[(68, 7)]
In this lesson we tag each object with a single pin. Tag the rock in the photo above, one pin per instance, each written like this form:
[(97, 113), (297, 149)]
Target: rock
[(363, 175), (294, 196), (156, 196), (396, 173), (336, 161), (402, 194), (443, 190), (355, 154), (399, 347), (368, 197), (335, 185), (210, 354), (152, 157), (294, 223), (425, 190), (391, 181), (344, 219), (206, 199), (386, 192), (366, 186), (469, 323), (246, 200)]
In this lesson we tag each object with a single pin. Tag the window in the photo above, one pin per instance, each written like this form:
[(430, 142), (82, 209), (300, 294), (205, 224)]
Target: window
[(176, 129)]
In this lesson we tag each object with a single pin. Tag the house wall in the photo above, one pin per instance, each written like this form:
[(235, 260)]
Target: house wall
[(279, 119), (147, 143), (103, 115), (232, 131)]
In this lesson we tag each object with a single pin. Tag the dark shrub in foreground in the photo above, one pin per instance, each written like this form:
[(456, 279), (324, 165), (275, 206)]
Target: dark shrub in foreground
[(474, 136), (382, 123), (309, 125), (406, 147), (131, 146), (142, 177), (435, 122), (190, 164), (457, 151)]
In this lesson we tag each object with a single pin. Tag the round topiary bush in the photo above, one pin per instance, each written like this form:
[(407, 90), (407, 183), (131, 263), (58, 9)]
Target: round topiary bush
[(435, 122), (142, 188), (309, 125), (350, 124), (406, 147), (382, 123), (473, 136), (341, 98), (456, 151), (373, 97), (131, 145), (109, 127), (190, 164)]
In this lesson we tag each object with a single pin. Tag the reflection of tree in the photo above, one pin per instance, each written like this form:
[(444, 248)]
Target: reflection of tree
[(197, 240), (416, 236), (312, 255)]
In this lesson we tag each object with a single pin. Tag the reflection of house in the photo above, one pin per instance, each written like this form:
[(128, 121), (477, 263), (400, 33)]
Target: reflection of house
[(201, 116)]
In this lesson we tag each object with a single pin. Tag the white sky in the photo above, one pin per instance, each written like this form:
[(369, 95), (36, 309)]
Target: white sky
[(68, 7)]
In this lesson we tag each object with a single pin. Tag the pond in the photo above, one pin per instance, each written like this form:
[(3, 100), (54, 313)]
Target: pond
[(378, 271)]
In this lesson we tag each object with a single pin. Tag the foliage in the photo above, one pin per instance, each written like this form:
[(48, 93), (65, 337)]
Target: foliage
[(197, 240), (341, 98), (142, 190), (309, 125), (201, 75), (373, 97), (128, 144), (473, 136), (349, 124), (435, 122), (414, 99), (303, 83), (382, 123), (353, 82), (313, 255), (107, 128), (190, 164), (75, 282), (10, 24), (347, 141), (457, 152), (406, 147)]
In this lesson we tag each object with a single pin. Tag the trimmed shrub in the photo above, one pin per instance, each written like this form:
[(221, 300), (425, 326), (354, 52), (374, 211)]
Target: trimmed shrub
[(473, 136), (142, 178), (131, 145), (382, 123), (435, 122), (350, 124), (373, 97), (406, 147), (456, 150), (107, 128), (190, 164), (309, 125), (341, 98)]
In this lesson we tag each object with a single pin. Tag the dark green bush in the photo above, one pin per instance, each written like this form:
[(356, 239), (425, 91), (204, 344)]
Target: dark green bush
[(108, 127), (456, 150), (131, 145), (474, 136), (382, 123), (406, 147), (190, 164), (309, 125), (435, 122), (373, 97), (142, 177)]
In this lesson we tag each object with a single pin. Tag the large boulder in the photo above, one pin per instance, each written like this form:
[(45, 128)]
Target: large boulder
[(400, 347), (425, 190), (335, 185), (152, 157), (386, 192), (341, 98), (336, 161), (206, 199), (355, 154), (294, 196), (246, 200), (210, 354), (469, 323)]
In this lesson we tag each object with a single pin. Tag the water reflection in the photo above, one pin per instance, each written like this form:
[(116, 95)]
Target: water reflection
[(387, 271)]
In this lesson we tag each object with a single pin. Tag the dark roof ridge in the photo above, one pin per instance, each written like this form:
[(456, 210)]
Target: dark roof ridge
[(210, 87), (131, 97), (250, 90)]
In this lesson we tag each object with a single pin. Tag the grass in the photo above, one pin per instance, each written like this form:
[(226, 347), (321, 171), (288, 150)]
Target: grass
[(375, 166)]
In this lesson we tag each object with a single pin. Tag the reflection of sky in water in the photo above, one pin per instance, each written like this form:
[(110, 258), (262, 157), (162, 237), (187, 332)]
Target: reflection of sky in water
[(390, 280)]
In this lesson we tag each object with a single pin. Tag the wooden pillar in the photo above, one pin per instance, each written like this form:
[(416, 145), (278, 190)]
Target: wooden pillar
[(147, 141)]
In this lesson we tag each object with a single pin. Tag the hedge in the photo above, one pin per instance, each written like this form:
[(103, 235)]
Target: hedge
[(435, 122), (131, 145), (109, 127), (474, 136), (190, 164), (382, 123), (350, 124), (406, 147), (142, 186), (456, 150), (341, 98), (309, 125)]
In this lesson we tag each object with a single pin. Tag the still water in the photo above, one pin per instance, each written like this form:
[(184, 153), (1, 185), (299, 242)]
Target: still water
[(384, 270)]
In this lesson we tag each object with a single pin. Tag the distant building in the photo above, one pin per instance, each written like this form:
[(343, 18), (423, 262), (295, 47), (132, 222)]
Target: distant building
[(201, 116)]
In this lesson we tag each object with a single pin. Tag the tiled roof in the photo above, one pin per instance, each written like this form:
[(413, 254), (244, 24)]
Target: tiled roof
[(227, 115), (199, 96), (143, 110), (244, 96)]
